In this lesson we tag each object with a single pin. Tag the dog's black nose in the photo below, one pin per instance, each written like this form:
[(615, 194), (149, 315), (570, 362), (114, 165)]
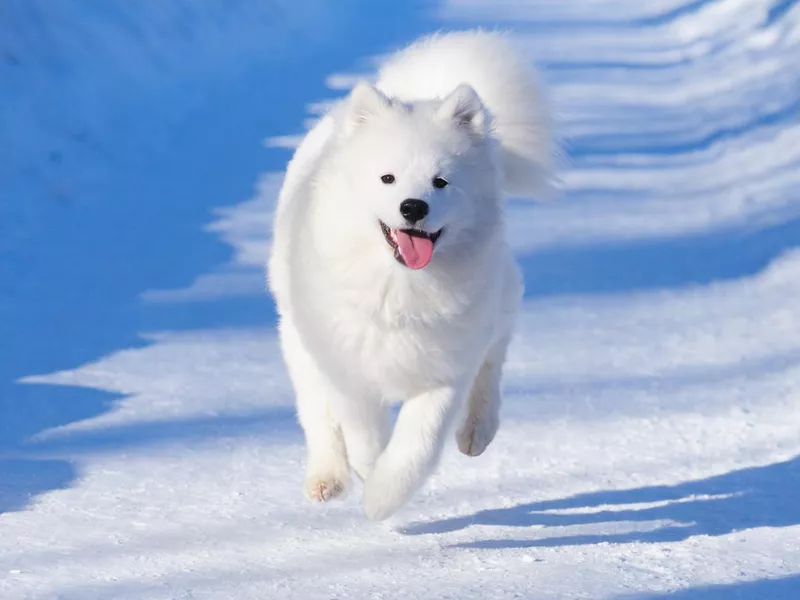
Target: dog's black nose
[(414, 210)]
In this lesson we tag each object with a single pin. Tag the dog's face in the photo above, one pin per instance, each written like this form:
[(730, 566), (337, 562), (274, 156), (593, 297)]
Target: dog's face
[(415, 179)]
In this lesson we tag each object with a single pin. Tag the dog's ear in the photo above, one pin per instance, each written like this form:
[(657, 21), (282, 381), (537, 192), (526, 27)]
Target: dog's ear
[(364, 102), (464, 107)]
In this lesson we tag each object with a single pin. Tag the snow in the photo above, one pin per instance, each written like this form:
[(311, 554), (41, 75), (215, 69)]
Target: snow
[(651, 435)]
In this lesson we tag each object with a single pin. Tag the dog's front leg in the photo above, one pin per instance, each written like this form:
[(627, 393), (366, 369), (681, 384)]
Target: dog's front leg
[(413, 451)]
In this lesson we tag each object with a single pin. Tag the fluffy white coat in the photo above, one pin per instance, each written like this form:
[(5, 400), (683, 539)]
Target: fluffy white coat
[(359, 329)]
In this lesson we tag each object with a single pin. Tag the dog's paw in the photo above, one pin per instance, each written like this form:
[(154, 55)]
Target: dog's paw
[(382, 495), (321, 488), (475, 435), (327, 481), (378, 504)]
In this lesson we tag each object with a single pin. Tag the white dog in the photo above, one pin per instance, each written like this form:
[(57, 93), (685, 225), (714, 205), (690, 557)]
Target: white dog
[(392, 276)]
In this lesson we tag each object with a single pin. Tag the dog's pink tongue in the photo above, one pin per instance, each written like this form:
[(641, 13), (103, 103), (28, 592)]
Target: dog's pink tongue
[(415, 251)]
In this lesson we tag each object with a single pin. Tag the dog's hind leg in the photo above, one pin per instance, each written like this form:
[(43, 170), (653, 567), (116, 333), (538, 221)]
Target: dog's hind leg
[(327, 471), (483, 406)]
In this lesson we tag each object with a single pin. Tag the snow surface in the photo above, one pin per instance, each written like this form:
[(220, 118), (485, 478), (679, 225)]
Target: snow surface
[(651, 437)]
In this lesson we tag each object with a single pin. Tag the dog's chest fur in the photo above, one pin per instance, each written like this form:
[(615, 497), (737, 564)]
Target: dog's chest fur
[(397, 333)]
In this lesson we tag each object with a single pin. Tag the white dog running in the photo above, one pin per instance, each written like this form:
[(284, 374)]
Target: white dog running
[(392, 276)]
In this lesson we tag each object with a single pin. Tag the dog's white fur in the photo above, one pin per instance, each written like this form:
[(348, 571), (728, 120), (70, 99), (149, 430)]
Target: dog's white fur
[(360, 330)]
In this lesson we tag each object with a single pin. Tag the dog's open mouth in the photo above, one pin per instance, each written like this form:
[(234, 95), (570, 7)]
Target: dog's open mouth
[(413, 248)]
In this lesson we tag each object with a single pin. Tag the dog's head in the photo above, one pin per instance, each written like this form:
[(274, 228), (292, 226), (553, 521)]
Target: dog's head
[(415, 178)]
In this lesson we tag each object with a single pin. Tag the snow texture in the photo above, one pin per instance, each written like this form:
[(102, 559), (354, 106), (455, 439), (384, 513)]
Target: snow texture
[(650, 445)]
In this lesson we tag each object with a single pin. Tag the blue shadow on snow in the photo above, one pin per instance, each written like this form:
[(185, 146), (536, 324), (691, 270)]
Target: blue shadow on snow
[(651, 264), (785, 588), (767, 496)]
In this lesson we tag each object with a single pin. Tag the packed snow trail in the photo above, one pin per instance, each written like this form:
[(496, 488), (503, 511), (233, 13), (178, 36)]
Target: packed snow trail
[(651, 434)]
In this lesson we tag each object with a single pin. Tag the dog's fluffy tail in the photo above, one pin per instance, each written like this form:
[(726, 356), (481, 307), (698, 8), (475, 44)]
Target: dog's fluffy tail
[(503, 79)]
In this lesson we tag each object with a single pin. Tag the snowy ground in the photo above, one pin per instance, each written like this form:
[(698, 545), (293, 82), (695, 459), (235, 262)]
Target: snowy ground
[(651, 437)]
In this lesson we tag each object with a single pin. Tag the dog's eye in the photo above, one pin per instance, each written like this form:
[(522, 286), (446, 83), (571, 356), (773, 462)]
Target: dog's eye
[(440, 182), (388, 178)]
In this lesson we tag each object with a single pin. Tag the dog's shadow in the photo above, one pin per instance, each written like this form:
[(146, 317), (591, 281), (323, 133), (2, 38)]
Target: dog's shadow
[(767, 496)]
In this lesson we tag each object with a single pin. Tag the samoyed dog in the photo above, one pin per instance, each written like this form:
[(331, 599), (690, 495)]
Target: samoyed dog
[(392, 276)]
